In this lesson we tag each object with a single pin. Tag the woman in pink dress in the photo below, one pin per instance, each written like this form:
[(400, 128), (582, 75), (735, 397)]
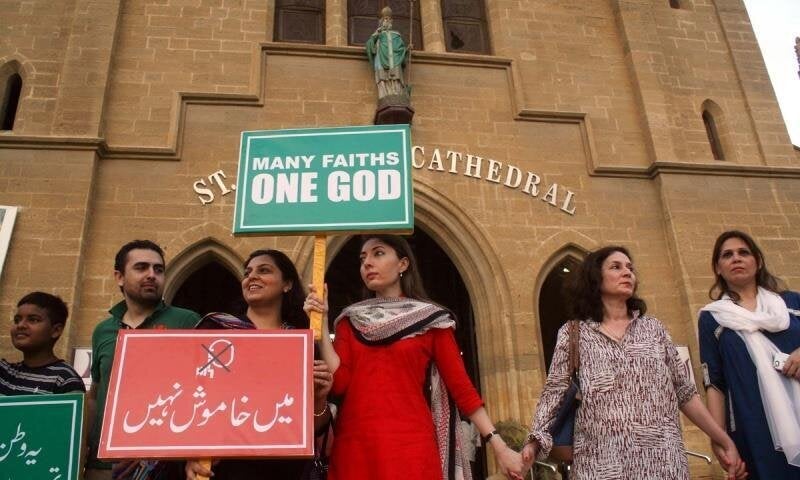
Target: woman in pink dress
[(399, 376)]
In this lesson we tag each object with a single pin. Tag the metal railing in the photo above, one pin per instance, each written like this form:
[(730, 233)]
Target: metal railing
[(698, 455)]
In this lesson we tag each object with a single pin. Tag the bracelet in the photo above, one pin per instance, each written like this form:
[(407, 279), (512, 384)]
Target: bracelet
[(323, 412), (486, 438)]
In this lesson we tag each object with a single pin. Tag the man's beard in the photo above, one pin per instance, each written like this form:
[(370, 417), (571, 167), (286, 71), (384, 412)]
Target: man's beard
[(147, 299)]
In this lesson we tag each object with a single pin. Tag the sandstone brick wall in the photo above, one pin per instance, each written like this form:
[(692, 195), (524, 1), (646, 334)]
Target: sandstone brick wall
[(126, 104), (173, 46), (53, 192)]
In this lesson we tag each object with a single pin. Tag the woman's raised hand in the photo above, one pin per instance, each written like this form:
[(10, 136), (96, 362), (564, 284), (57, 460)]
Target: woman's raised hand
[(314, 303)]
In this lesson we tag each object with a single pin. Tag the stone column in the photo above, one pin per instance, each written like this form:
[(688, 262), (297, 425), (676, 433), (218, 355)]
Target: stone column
[(432, 27), (336, 23)]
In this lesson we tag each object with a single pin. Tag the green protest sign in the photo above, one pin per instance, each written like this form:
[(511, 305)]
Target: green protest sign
[(40, 436), (325, 180)]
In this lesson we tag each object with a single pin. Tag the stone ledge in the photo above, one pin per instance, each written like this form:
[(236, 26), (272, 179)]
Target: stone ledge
[(710, 169)]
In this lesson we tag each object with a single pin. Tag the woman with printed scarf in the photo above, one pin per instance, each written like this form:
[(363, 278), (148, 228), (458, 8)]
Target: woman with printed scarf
[(387, 349), (752, 324), (274, 295)]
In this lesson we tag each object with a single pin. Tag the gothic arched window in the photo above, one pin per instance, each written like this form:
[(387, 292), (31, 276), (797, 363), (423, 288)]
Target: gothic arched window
[(713, 135), (553, 311), (465, 27), (11, 94)]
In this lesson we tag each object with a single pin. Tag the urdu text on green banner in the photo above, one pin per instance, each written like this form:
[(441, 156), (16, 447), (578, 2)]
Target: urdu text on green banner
[(40, 436)]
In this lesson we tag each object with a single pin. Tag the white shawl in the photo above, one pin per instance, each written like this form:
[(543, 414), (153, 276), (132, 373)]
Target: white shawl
[(779, 394)]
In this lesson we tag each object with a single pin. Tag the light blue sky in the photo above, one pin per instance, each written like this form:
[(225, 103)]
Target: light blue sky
[(777, 24)]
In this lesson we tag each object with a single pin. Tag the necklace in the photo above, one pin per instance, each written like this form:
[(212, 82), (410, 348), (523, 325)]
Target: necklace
[(613, 335)]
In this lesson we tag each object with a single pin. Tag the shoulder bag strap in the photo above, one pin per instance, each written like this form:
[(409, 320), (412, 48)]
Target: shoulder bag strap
[(574, 346)]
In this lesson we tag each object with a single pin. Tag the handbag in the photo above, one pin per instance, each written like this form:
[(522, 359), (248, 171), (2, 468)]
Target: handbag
[(563, 427), (317, 469)]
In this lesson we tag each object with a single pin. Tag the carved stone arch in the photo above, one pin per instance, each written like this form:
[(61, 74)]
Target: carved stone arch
[(557, 246), (197, 247), (568, 257), (196, 256), (550, 252), (470, 250), (12, 64)]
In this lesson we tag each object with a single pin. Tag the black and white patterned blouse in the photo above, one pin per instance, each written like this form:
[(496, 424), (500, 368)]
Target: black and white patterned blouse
[(628, 423)]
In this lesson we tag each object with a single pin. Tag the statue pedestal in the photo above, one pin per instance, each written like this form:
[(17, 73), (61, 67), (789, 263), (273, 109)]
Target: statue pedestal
[(393, 114), (393, 109)]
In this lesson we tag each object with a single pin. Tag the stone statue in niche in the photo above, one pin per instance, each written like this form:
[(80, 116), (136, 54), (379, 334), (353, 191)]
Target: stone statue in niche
[(388, 55)]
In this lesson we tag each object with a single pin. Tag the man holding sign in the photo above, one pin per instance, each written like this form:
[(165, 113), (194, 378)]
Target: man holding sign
[(140, 273)]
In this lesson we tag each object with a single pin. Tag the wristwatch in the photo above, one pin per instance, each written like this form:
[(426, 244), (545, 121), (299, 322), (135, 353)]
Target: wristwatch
[(486, 438)]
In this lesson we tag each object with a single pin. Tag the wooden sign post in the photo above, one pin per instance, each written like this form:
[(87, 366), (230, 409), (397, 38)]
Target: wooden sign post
[(318, 280), (324, 180)]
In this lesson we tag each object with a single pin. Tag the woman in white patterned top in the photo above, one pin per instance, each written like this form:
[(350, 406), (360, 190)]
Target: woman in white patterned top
[(631, 383)]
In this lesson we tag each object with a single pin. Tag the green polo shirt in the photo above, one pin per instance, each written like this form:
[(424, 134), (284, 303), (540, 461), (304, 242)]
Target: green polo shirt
[(104, 343)]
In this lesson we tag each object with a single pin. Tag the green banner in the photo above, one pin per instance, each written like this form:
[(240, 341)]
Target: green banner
[(40, 437), (325, 179)]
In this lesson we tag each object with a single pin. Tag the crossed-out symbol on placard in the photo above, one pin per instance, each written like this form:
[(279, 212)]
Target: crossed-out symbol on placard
[(215, 357)]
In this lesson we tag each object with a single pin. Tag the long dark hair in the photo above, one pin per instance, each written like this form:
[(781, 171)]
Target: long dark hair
[(764, 279), (292, 311), (411, 281), (585, 293)]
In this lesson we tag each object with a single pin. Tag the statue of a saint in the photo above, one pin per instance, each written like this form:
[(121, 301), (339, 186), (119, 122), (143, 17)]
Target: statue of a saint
[(388, 54)]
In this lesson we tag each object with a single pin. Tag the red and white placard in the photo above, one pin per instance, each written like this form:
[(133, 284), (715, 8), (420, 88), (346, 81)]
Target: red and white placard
[(210, 394)]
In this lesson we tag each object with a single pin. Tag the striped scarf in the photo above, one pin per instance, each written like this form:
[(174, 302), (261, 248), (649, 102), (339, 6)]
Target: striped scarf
[(381, 321)]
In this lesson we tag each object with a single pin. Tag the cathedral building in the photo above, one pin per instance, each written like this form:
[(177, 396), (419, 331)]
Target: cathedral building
[(541, 130)]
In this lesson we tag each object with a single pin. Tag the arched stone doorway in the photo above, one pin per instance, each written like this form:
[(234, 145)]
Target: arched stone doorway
[(553, 310), (211, 288), (442, 282), (205, 278)]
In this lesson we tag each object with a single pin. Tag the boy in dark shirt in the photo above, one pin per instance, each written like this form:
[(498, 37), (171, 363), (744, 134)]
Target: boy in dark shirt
[(38, 323)]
